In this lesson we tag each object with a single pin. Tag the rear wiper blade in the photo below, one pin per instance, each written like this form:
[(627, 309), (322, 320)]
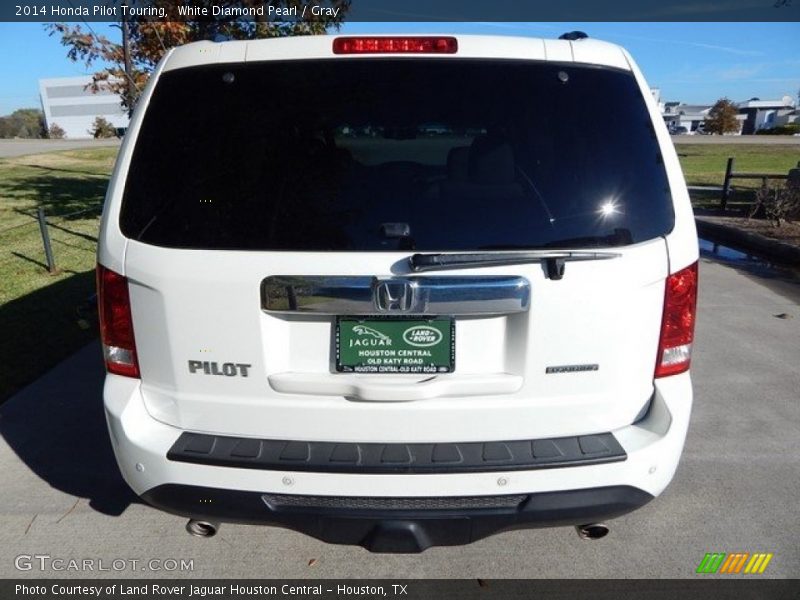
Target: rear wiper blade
[(553, 260)]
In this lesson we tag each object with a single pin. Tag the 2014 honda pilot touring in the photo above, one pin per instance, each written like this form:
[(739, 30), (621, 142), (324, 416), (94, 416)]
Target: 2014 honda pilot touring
[(398, 291)]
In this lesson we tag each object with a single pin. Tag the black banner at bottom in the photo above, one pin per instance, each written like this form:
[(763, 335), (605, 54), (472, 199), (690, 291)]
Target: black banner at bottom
[(406, 589)]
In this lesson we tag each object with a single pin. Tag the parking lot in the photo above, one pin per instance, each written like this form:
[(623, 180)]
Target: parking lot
[(735, 490)]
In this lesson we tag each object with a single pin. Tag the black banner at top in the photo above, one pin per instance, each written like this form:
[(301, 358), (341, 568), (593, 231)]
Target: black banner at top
[(401, 10)]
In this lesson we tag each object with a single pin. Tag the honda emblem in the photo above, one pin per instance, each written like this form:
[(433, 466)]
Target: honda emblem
[(394, 296)]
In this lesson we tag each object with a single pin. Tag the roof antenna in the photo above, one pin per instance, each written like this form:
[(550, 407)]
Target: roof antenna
[(573, 36)]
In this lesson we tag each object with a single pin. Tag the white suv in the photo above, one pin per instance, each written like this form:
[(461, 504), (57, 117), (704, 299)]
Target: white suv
[(398, 291)]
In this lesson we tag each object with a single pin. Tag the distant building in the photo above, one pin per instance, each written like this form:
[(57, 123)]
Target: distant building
[(766, 114), (657, 97), (67, 102), (692, 117), (791, 118), (689, 116)]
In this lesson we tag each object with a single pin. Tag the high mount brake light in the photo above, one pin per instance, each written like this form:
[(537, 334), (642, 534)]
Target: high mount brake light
[(395, 45), (677, 324), (116, 323)]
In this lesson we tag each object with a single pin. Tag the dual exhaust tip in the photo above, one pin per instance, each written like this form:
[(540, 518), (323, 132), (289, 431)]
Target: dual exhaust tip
[(207, 529), (592, 531), (199, 528)]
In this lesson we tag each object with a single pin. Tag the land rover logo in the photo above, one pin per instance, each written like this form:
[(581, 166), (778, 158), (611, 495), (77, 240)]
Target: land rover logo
[(422, 336)]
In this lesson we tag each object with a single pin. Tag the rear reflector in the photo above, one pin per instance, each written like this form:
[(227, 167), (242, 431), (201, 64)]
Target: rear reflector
[(677, 324), (395, 45), (116, 323)]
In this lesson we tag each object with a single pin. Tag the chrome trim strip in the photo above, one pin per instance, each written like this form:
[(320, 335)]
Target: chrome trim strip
[(348, 295)]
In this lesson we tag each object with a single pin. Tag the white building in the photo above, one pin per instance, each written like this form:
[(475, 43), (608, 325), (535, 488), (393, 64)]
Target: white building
[(692, 117), (657, 97), (68, 103), (766, 114)]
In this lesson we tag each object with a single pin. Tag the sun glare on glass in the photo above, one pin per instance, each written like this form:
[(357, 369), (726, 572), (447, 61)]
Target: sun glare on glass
[(608, 208)]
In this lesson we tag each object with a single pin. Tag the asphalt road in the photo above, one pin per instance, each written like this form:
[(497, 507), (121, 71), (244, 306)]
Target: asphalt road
[(743, 140), (736, 488), (21, 147)]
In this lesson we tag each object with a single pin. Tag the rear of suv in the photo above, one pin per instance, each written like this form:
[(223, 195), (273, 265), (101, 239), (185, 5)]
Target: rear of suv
[(397, 291)]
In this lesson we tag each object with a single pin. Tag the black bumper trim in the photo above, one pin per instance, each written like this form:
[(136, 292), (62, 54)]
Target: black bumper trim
[(404, 527), (460, 457)]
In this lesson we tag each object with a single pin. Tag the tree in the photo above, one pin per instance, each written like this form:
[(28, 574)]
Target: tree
[(23, 123), (722, 117), (102, 129), (56, 132), (150, 37)]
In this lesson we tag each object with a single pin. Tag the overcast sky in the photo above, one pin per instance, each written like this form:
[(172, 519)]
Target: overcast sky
[(692, 62)]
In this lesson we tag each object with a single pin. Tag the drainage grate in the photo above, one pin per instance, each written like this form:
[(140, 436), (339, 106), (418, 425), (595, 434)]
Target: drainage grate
[(283, 501)]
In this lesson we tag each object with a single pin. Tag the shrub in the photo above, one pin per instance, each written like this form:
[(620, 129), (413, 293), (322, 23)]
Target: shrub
[(779, 203), (102, 129), (56, 132), (790, 129)]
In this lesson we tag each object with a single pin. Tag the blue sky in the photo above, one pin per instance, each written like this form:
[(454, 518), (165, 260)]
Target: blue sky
[(690, 62)]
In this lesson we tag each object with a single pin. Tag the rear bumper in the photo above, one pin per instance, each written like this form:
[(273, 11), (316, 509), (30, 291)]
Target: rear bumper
[(393, 458), (410, 529), (575, 494)]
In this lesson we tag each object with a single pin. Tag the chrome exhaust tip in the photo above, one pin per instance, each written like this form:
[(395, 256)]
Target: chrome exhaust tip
[(592, 531), (204, 529)]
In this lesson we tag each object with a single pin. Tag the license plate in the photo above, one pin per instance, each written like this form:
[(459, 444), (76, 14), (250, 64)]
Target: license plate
[(400, 345)]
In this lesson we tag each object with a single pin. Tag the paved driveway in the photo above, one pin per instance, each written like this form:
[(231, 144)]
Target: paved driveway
[(736, 488)]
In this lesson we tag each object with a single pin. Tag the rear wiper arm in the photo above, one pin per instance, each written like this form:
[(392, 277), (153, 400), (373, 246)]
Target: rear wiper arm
[(553, 260)]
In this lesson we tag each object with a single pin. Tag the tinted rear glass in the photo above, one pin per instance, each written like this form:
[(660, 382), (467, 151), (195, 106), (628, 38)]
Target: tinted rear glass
[(377, 154)]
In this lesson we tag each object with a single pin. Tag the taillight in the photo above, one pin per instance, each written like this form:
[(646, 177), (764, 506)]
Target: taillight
[(395, 45), (677, 324), (116, 324)]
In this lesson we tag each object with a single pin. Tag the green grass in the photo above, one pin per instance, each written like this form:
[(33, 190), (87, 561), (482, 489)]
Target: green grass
[(704, 164), (45, 317)]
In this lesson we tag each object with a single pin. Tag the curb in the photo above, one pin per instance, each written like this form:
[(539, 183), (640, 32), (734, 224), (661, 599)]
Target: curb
[(753, 243)]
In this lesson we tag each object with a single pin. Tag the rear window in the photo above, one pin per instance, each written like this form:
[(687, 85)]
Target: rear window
[(376, 154)]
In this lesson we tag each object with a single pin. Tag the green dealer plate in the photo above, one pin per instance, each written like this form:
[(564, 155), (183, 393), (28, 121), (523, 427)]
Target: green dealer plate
[(401, 345)]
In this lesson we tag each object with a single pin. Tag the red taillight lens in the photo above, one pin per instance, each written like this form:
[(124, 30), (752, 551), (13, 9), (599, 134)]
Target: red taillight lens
[(677, 324), (395, 45), (116, 324)]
